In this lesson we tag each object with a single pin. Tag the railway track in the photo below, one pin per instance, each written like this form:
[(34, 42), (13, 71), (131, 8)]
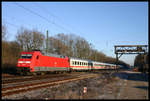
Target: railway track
[(15, 78), (29, 78), (6, 91)]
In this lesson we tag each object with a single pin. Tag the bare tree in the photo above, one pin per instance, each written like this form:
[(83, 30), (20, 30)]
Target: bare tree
[(76, 46), (57, 46), (37, 39), (30, 39), (141, 61), (4, 33)]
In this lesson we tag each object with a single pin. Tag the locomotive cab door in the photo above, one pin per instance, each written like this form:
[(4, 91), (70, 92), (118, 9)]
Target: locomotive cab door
[(37, 61)]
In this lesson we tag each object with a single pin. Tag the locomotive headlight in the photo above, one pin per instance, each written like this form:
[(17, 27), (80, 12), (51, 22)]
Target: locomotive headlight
[(28, 62), (20, 61)]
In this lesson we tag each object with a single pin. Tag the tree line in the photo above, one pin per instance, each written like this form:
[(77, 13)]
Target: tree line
[(141, 62), (63, 44)]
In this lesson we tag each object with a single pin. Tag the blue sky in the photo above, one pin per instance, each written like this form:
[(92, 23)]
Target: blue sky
[(104, 24)]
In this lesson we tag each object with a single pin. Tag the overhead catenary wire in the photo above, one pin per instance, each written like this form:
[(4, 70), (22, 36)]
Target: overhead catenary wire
[(51, 14), (44, 18), (11, 24), (43, 9), (41, 17), (14, 25)]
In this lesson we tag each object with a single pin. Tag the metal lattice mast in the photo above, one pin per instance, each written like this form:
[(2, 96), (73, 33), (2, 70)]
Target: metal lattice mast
[(47, 42)]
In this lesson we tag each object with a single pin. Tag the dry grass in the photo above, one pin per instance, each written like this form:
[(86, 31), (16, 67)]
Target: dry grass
[(97, 88)]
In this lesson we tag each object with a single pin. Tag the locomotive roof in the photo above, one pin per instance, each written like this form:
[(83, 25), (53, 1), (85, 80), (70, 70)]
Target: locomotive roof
[(103, 63), (97, 62), (54, 55)]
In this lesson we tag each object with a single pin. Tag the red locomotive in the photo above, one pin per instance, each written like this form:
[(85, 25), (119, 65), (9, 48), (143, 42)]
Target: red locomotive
[(36, 62)]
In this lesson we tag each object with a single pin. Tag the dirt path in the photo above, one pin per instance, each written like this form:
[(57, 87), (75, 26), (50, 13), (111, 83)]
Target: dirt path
[(135, 86)]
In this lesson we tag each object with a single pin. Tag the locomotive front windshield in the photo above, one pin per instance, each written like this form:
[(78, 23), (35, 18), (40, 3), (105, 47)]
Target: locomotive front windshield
[(26, 56)]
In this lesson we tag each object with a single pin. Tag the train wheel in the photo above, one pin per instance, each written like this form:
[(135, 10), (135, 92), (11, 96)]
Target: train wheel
[(55, 72), (21, 73), (28, 73), (62, 72), (34, 74), (42, 73), (68, 71)]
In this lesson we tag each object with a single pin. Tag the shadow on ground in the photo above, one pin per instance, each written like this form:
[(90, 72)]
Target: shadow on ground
[(133, 76), (9, 69)]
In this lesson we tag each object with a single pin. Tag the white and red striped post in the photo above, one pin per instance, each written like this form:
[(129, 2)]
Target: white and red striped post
[(85, 90)]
